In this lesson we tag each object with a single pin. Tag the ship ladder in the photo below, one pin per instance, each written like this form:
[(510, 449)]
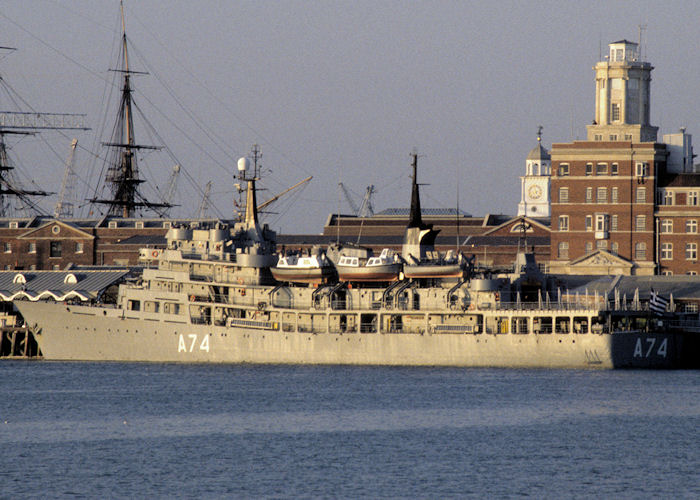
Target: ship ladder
[(452, 291)]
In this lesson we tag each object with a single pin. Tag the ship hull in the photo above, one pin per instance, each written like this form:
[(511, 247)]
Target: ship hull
[(433, 271), (314, 276), (382, 273), (102, 334)]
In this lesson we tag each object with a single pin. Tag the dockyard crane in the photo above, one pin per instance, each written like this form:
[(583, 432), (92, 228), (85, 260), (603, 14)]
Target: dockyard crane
[(172, 187), (365, 209), (203, 210), (15, 123), (66, 197)]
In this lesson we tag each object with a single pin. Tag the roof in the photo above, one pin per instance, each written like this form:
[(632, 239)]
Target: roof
[(681, 287), (59, 285), (538, 153), (680, 180), (511, 241), (145, 240), (405, 212)]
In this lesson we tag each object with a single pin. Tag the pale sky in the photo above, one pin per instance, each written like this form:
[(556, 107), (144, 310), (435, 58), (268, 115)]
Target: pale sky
[(341, 90)]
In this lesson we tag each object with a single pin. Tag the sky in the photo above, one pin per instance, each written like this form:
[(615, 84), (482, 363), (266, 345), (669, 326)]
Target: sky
[(341, 91)]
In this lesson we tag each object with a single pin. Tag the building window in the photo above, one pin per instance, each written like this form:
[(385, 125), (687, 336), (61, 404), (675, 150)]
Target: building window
[(7, 247), (692, 198), (563, 169), (32, 247), (563, 195), (601, 222), (589, 169), (589, 195), (640, 251), (691, 226), (563, 223), (642, 169), (666, 272), (601, 169), (601, 244), (589, 223), (615, 114), (628, 137), (614, 194), (78, 247), (55, 249), (691, 251), (692, 273), (602, 195), (667, 251), (666, 226), (563, 250), (667, 197), (640, 223), (589, 248), (613, 223), (614, 248), (614, 169), (641, 195), (598, 137)]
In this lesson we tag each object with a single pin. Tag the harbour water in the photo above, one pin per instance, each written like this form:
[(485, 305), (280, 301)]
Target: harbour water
[(248, 431)]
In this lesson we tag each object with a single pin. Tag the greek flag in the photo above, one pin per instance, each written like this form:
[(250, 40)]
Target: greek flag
[(657, 303)]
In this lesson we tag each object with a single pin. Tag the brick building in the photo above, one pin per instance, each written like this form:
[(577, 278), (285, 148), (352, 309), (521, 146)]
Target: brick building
[(620, 199), (44, 242)]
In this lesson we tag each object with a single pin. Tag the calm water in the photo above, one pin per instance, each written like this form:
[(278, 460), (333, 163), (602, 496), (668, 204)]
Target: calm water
[(141, 430)]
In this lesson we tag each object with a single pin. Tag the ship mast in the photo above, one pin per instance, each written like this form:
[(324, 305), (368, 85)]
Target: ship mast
[(25, 123), (123, 173)]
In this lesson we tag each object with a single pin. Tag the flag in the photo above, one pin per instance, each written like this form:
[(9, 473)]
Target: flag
[(657, 303)]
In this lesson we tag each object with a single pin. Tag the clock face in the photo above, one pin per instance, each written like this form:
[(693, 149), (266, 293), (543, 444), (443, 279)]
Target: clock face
[(534, 192)]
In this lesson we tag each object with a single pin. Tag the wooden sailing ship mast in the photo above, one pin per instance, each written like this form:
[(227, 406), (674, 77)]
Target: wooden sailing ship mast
[(122, 174), (25, 123)]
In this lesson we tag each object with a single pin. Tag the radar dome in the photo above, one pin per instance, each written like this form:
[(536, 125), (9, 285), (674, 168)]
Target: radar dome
[(243, 164)]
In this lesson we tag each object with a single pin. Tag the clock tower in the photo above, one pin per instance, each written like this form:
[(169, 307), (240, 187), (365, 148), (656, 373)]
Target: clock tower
[(534, 185)]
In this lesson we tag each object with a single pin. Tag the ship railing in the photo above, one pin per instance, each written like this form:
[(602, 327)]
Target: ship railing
[(534, 306), (690, 326)]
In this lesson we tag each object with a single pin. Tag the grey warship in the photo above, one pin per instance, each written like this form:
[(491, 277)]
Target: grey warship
[(210, 297)]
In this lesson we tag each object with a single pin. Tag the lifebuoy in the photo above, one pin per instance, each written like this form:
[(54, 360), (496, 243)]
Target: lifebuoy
[(154, 253)]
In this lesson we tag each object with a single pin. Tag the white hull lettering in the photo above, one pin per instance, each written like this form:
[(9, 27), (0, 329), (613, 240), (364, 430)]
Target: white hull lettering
[(639, 348), (192, 340)]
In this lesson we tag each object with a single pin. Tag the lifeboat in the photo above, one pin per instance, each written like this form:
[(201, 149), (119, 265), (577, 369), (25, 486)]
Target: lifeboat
[(313, 269), (385, 267)]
